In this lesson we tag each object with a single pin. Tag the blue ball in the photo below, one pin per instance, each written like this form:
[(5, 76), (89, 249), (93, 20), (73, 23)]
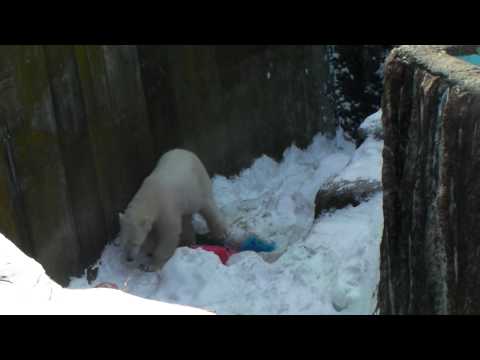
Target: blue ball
[(252, 243)]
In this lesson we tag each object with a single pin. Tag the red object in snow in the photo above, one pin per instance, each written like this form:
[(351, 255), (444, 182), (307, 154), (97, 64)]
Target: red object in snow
[(107, 285), (222, 252)]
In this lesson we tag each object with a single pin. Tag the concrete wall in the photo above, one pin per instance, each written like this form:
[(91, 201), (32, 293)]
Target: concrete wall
[(430, 250)]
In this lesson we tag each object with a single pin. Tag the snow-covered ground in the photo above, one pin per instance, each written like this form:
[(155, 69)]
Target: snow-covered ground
[(327, 266), (25, 289)]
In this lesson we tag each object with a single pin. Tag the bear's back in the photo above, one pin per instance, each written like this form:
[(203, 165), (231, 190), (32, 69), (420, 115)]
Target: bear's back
[(182, 171), (175, 156)]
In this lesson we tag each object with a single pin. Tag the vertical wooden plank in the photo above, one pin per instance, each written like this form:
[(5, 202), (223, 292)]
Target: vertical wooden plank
[(39, 168), (105, 144), (8, 225), (199, 100), (12, 220), (130, 114), (159, 97), (117, 122), (74, 141)]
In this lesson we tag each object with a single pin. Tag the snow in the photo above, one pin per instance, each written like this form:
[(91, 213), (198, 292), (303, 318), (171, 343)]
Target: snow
[(26, 289), (372, 124), (324, 266), (372, 129), (365, 164)]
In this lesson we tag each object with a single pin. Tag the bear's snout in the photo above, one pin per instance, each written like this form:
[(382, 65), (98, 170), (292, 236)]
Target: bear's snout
[(129, 259)]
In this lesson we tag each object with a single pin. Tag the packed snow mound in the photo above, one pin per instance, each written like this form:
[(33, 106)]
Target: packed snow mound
[(274, 200), (365, 164), (327, 266), (372, 126), (25, 289)]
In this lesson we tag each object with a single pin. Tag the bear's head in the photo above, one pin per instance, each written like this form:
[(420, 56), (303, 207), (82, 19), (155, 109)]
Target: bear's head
[(133, 234)]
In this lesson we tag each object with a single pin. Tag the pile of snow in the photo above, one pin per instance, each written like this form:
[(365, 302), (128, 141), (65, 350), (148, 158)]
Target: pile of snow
[(25, 289), (327, 266), (372, 126)]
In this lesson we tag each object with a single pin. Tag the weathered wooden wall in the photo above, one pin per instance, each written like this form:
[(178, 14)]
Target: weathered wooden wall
[(230, 104), (81, 126), (76, 145)]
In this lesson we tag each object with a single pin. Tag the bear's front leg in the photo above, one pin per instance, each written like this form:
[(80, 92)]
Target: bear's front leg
[(151, 242), (170, 238)]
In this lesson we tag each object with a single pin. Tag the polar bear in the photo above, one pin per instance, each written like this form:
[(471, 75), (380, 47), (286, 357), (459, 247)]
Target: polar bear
[(159, 217)]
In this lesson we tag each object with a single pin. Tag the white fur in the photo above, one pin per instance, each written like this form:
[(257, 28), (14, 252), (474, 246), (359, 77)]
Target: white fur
[(162, 209)]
